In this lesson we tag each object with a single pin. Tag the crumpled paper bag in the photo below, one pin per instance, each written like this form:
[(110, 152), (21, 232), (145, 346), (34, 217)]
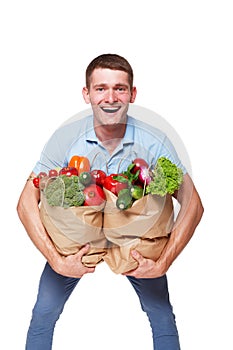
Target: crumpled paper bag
[(71, 228), (145, 227)]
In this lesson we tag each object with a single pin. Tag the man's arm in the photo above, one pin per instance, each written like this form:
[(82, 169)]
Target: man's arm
[(29, 215), (189, 216)]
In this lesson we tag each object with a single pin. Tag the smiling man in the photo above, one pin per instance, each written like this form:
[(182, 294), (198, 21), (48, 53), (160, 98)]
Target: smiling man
[(109, 91), (111, 132)]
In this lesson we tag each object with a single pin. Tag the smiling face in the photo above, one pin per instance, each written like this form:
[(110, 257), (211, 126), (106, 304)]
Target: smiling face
[(109, 94)]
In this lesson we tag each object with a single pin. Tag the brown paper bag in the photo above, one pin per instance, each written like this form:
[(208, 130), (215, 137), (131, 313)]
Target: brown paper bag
[(144, 227), (71, 228)]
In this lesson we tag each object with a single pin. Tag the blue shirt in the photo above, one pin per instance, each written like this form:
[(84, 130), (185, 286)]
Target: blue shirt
[(141, 140)]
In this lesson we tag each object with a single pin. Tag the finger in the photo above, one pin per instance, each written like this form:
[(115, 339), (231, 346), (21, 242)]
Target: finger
[(83, 251), (90, 269), (137, 256), (129, 273)]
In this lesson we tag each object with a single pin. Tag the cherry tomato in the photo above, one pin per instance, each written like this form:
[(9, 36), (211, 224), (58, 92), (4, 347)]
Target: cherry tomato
[(68, 171), (36, 182), (53, 172), (42, 174), (94, 195), (114, 185), (98, 177)]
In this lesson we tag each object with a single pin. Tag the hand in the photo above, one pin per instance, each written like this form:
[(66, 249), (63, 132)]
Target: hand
[(147, 268), (72, 266)]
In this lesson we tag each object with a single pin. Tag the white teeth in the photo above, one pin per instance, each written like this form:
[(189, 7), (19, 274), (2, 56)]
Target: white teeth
[(110, 109)]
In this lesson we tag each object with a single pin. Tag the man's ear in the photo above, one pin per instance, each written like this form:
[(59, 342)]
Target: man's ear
[(86, 95), (133, 94)]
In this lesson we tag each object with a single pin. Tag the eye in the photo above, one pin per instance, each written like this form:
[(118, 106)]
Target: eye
[(122, 88), (100, 89)]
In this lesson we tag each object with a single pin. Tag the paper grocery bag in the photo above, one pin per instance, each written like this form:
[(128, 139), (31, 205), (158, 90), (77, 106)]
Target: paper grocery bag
[(145, 227), (71, 228)]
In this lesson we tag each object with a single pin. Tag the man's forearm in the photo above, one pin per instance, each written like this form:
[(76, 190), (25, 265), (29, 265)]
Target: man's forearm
[(187, 220), (28, 212)]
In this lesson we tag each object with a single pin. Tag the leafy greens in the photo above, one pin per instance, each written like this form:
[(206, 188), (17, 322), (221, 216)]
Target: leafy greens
[(166, 178)]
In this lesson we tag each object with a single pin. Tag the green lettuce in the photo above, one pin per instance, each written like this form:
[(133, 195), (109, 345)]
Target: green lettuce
[(166, 178)]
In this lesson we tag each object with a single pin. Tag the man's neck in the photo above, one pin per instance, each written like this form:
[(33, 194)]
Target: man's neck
[(110, 135)]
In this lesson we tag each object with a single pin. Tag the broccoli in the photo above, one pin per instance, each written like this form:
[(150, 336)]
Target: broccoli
[(77, 200), (54, 192), (167, 178), (66, 179), (65, 191)]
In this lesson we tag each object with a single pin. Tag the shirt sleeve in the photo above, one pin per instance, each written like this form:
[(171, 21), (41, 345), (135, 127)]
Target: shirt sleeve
[(54, 152), (52, 155), (168, 150)]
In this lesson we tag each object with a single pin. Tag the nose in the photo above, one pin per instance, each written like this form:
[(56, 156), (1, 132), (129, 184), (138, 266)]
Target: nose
[(111, 96)]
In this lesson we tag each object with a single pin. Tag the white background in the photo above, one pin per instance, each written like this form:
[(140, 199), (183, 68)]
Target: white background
[(181, 52)]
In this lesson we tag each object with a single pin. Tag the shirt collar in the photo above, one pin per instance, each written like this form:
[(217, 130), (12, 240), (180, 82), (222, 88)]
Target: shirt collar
[(90, 131)]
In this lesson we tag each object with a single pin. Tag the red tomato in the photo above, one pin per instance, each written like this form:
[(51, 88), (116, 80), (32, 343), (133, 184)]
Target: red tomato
[(94, 195), (98, 177), (36, 182), (42, 174), (68, 171), (53, 172), (114, 185)]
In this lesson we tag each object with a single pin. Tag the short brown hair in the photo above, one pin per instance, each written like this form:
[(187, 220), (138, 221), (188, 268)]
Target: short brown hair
[(110, 61)]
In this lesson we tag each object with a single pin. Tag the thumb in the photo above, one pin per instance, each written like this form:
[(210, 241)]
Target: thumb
[(137, 256), (83, 250)]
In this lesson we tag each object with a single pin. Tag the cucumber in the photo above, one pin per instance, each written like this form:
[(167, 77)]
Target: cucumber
[(124, 201), (125, 191), (85, 178)]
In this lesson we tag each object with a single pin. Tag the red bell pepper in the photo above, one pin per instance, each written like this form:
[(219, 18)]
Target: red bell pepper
[(114, 185)]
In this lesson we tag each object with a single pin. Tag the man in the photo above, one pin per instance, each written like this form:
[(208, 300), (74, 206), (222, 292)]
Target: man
[(109, 89)]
